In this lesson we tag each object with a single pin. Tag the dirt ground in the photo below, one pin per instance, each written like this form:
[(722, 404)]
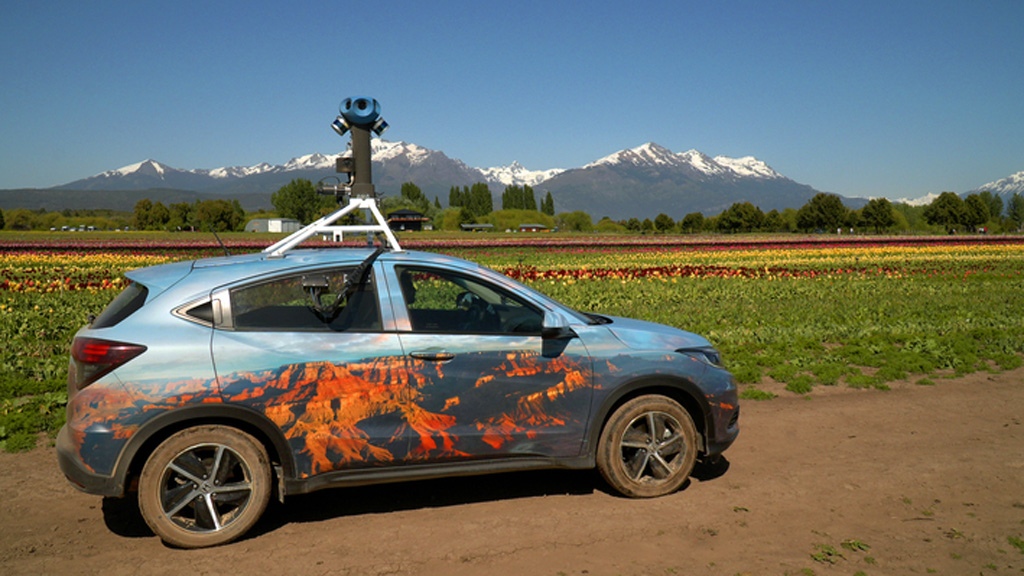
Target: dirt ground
[(916, 480)]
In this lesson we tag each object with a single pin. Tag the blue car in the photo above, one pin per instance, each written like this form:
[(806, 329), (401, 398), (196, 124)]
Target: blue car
[(209, 385)]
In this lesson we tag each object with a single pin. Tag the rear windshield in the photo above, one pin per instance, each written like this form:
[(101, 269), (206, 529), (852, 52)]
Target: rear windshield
[(127, 302)]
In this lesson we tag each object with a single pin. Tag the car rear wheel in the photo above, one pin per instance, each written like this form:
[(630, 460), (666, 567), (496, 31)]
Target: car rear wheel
[(204, 486), (648, 447)]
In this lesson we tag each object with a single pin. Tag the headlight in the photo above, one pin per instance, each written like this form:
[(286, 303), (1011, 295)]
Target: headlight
[(709, 355)]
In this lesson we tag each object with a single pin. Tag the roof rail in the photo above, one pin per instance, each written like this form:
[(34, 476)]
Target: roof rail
[(360, 116)]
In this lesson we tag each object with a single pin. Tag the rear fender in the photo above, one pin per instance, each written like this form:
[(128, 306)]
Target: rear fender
[(145, 440)]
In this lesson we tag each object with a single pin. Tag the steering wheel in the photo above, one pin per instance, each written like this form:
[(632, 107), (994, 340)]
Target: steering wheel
[(478, 315)]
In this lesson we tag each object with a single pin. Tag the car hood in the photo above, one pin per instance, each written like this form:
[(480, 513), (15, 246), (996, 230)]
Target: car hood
[(643, 335)]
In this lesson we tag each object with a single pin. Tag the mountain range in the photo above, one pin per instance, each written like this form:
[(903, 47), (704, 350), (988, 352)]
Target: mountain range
[(638, 182)]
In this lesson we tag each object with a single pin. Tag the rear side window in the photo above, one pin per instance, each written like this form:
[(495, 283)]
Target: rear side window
[(127, 302), (307, 302)]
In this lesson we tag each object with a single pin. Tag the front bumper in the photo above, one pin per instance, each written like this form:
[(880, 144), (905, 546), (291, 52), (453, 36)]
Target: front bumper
[(723, 425), (80, 475), (723, 436)]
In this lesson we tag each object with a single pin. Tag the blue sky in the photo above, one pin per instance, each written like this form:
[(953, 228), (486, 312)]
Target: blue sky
[(860, 98)]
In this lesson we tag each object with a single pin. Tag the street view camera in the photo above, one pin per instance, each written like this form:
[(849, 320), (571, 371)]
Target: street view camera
[(359, 116)]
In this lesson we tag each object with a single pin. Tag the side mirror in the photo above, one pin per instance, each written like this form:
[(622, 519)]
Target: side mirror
[(557, 333), (555, 328), (555, 337)]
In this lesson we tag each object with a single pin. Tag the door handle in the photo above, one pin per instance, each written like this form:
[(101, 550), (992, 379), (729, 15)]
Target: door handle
[(433, 356)]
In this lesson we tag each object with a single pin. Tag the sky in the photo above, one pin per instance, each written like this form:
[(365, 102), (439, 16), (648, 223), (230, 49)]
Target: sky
[(860, 98)]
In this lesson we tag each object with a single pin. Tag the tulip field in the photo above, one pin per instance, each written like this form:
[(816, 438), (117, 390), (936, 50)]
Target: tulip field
[(795, 313)]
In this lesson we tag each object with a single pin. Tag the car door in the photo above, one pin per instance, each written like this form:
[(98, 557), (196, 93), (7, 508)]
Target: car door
[(319, 365), (506, 391)]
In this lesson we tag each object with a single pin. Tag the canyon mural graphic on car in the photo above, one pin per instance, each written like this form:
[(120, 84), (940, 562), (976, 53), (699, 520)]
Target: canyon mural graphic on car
[(376, 411)]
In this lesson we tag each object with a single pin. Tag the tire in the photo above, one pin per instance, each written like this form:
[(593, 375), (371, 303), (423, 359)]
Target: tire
[(204, 486), (648, 447)]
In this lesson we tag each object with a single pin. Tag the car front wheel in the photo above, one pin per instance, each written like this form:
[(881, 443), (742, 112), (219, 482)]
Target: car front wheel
[(648, 447), (204, 486)]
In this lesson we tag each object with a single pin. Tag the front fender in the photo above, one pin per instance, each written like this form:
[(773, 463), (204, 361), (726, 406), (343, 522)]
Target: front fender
[(684, 391)]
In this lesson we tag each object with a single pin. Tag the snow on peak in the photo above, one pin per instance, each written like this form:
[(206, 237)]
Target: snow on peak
[(314, 161), (748, 166), (147, 166), (922, 201), (702, 162), (645, 154), (383, 150), (515, 174), (237, 171)]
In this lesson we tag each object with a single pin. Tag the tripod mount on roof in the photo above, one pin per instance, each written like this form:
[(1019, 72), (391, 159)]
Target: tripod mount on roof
[(359, 116)]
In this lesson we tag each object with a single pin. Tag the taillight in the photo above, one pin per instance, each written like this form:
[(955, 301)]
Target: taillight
[(94, 358)]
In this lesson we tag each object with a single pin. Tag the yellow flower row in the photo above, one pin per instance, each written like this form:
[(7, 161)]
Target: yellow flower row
[(886, 256)]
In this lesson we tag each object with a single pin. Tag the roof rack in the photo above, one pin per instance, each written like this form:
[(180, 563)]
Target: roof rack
[(359, 115), (324, 226)]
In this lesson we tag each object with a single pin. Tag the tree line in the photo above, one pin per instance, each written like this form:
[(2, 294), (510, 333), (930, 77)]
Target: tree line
[(219, 215), (474, 204), (823, 212)]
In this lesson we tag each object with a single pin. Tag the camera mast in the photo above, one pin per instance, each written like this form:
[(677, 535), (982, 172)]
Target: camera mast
[(359, 116)]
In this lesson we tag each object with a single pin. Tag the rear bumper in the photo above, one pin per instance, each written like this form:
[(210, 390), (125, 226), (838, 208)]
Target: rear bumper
[(79, 474)]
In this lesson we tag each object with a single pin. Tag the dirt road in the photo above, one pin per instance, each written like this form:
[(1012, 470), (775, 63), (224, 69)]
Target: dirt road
[(915, 480)]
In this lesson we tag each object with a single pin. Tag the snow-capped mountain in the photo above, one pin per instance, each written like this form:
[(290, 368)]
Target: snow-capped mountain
[(1005, 187), (922, 201), (637, 182), (651, 179), (239, 171), (651, 154), (515, 174), (145, 174)]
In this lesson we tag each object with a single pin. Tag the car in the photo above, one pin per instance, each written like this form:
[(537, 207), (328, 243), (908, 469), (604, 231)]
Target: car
[(209, 385)]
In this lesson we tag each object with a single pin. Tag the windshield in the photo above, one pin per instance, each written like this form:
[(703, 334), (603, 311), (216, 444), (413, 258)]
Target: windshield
[(519, 287)]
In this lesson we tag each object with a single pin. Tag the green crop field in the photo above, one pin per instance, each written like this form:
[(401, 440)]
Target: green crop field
[(804, 312)]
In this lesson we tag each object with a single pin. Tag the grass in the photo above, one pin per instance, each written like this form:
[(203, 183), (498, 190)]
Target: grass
[(754, 393), (1017, 543), (806, 333)]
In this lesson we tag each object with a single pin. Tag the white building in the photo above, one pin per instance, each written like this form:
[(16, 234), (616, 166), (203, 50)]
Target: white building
[(288, 225)]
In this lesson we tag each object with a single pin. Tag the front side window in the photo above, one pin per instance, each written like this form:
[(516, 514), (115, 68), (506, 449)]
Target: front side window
[(442, 301), (315, 301)]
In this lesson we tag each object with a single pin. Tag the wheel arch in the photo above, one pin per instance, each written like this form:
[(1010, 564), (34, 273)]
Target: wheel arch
[(686, 393), (152, 433)]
